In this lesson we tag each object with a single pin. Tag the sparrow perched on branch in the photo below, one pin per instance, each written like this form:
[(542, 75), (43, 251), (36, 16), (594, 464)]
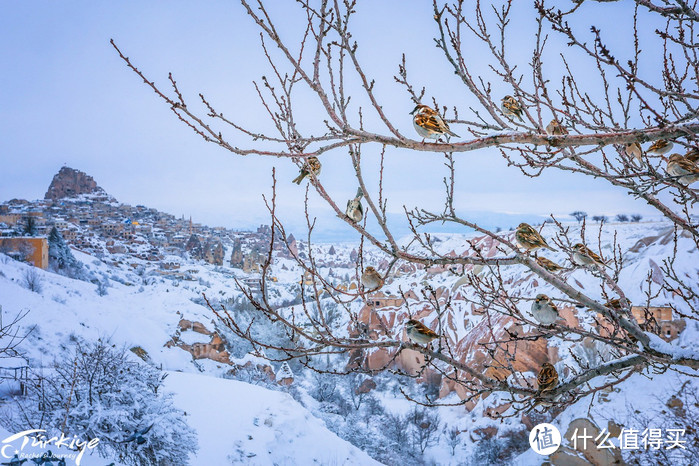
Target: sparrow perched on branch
[(511, 108), (692, 155), (614, 304), (371, 279), (584, 256), (661, 146), (530, 239), (547, 378), (355, 210), (419, 332), (633, 149), (429, 124), (548, 264), (312, 165), (544, 310), (555, 129), (685, 171)]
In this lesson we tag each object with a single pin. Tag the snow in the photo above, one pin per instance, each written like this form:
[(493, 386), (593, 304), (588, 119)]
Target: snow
[(223, 412), (249, 424), (243, 423)]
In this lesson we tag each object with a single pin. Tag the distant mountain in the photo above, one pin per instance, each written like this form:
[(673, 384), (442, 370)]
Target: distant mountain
[(336, 231)]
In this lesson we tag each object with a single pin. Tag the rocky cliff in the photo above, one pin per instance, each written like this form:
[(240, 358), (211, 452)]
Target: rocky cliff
[(69, 182)]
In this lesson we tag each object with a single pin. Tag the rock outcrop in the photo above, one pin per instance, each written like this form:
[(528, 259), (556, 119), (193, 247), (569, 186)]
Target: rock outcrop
[(69, 182)]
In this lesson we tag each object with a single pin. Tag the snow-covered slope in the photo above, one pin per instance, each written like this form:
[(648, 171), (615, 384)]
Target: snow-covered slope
[(243, 423), (236, 422)]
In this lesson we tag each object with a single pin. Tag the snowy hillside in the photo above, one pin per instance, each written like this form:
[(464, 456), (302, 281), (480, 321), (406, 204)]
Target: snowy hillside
[(247, 423), (243, 423)]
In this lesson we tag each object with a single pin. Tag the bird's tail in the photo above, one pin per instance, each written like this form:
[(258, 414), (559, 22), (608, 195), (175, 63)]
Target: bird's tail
[(360, 193), (299, 178), (452, 133)]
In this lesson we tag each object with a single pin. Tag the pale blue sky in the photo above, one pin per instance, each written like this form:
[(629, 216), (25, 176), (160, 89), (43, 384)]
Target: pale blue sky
[(66, 98)]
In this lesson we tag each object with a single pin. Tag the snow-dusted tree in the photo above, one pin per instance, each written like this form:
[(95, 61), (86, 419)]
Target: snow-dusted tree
[(29, 227), (102, 393), (11, 334), (424, 427), (102, 286), (32, 280), (580, 102), (61, 259), (579, 215)]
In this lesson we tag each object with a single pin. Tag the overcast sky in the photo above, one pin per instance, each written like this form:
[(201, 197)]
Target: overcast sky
[(66, 98)]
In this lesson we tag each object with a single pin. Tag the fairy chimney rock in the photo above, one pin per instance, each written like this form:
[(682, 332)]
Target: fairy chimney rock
[(69, 182)]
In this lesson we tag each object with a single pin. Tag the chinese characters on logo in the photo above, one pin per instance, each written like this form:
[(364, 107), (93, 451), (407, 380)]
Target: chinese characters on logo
[(632, 439)]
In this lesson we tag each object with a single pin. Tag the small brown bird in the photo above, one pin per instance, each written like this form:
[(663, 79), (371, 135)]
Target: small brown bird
[(355, 210), (661, 146), (683, 170), (634, 150), (419, 332), (583, 256), (429, 124), (555, 129), (613, 304), (371, 279), (312, 165), (547, 378), (530, 239), (548, 264), (511, 108), (692, 155), (544, 310)]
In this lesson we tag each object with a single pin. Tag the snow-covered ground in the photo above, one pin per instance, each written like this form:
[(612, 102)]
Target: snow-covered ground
[(235, 422), (242, 423)]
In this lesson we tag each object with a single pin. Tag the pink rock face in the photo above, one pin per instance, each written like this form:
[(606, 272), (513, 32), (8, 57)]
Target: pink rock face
[(69, 182)]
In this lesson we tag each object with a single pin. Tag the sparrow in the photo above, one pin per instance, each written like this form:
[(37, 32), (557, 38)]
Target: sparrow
[(583, 256), (429, 124), (371, 279), (685, 171), (419, 332), (549, 265), (555, 129), (355, 210), (544, 310), (138, 436), (661, 146), (547, 378), (530, 239), (692, 155), (510, 107), (633, 149), (613, 304), (312, 165)]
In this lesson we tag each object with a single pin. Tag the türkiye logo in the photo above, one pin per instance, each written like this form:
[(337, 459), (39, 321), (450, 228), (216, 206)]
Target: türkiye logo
[(12, 448)]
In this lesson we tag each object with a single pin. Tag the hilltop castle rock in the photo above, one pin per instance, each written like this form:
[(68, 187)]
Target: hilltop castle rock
[(69, 182)]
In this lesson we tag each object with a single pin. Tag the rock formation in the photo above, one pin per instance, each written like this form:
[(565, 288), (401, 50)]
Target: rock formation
[(69, 182)]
